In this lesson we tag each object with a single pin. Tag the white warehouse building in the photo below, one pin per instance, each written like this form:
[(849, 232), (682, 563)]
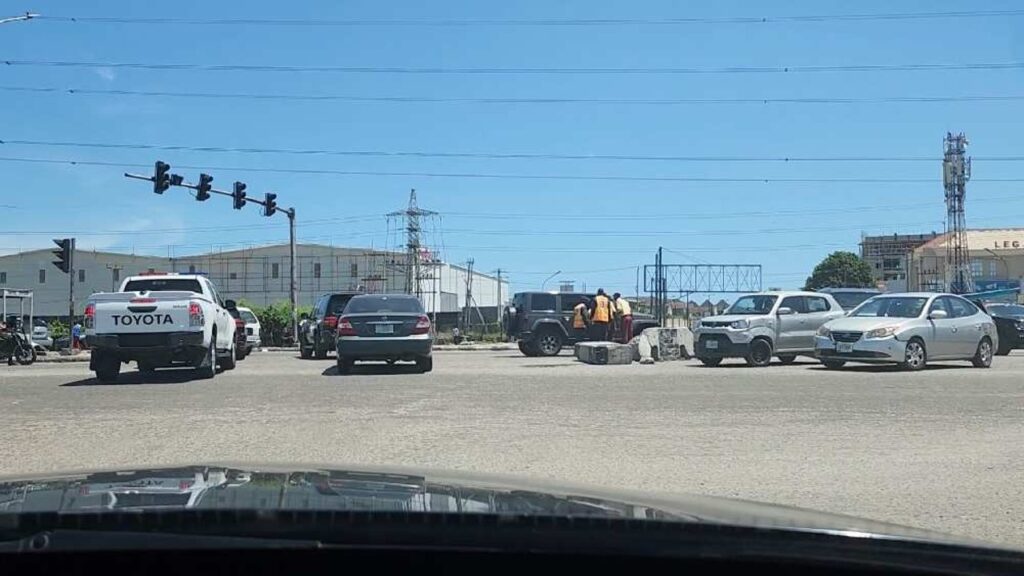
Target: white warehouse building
[(258, 275)]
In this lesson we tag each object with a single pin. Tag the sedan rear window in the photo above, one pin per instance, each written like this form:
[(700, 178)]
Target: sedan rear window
[(164, 285), (908, 307), (382, 304)]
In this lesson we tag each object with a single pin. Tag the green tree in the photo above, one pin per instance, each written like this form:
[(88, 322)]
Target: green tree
[(840, 269)]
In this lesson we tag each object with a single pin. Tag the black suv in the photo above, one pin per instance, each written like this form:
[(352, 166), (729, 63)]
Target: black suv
[(317, 333), (541, 322)]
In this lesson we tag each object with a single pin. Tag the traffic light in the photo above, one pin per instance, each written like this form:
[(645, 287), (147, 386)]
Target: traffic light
[(238, 195), (270, 204), (63, 254), (161, 178), (204, 187)]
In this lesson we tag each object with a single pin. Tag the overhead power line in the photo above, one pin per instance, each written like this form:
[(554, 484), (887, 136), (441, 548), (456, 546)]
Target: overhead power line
[(499, 100), (532, 22), (912, 67), (481, 175), (603, 177), (488, 155)]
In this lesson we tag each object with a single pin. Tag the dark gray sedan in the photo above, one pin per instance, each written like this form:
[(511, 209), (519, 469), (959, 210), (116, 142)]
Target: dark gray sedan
[(388, 327)]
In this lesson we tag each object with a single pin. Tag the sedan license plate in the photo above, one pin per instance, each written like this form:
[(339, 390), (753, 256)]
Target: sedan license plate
[(844, 347), (711, 344), (385, 329)]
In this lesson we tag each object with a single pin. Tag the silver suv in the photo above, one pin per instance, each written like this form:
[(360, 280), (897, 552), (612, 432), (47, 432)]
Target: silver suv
[(759, 326)]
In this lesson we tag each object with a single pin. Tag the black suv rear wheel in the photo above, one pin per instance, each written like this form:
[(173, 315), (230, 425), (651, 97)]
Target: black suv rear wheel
[(549, 342), (527, 348)]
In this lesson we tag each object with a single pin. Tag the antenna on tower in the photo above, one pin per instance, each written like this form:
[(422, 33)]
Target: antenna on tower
[(413, 244), (956, 171)]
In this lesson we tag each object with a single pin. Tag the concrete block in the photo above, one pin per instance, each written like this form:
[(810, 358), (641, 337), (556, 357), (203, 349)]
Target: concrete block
[(604, 353)]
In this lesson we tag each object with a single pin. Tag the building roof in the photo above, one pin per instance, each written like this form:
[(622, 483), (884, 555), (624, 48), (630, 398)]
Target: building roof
[(979, 238)]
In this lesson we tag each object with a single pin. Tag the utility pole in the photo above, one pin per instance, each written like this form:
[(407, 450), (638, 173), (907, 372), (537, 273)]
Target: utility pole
[(498, 307), (468, 316), (956, 171)]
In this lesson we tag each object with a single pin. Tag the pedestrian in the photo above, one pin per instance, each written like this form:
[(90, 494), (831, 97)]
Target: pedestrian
[(624, 312), (601, 316), (76, 336), (580, 320)]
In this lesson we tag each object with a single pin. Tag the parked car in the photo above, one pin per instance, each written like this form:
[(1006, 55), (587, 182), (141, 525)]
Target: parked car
[(317, 333), (1009, 319), (41, 333), (850, 298), (252, 329), (389, 327), (241, 345), (759, 326), (541, 322), (909, 330)]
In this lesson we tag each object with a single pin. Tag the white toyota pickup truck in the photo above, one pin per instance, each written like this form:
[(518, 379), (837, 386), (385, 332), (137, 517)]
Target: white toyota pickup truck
[(159, 320)]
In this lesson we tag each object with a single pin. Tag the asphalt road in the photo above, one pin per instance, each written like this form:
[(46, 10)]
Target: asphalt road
[(942, 449)]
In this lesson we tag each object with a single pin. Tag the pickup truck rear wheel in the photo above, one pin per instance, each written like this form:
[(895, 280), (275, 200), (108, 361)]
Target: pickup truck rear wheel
[(787, 358), (208, 367), (108, 368)]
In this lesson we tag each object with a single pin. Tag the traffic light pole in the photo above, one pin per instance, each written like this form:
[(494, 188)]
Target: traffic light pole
[(162, 180), (294, 275), (71, 293)]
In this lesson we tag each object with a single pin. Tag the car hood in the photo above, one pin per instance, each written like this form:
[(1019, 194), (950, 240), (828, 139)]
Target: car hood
[(362, 489), (863, 324)]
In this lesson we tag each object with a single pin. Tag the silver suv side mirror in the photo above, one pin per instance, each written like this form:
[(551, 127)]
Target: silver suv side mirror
[(785, 311), (937, 315)]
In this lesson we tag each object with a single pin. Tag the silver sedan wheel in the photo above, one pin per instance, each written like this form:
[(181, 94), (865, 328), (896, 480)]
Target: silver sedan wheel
[(915, 356)]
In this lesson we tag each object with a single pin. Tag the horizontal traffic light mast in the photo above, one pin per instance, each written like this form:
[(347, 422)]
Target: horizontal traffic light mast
[(162, 180)]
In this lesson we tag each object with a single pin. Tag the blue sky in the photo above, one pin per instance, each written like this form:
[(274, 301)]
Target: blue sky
[(596, 231)]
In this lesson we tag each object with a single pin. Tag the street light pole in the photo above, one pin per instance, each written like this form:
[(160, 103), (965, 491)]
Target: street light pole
[(549, 278), (25, 16)]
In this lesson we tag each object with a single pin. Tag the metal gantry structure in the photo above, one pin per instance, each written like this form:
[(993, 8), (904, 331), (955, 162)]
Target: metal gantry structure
[(956, 171), (660, 280)]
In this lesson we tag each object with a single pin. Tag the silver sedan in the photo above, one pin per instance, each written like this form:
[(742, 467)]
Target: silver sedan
[(910, 330)]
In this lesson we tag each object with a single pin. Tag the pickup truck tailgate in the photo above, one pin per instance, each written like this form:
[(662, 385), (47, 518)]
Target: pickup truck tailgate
[(149, 312)]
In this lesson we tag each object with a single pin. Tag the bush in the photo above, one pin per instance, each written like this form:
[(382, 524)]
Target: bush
[(275, 321)]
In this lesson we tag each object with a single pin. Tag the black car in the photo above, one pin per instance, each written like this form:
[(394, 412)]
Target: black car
[(541, 322), (850, 298), (1009, 320), (388, 327), (317, 333)]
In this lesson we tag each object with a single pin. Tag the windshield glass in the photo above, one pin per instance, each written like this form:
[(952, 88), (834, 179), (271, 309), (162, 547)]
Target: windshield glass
[(383, 304), (163, 285), (891, 307), (753, 305), (247, 316)]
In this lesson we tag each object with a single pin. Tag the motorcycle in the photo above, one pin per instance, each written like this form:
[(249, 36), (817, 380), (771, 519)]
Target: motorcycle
[(17, 348)]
